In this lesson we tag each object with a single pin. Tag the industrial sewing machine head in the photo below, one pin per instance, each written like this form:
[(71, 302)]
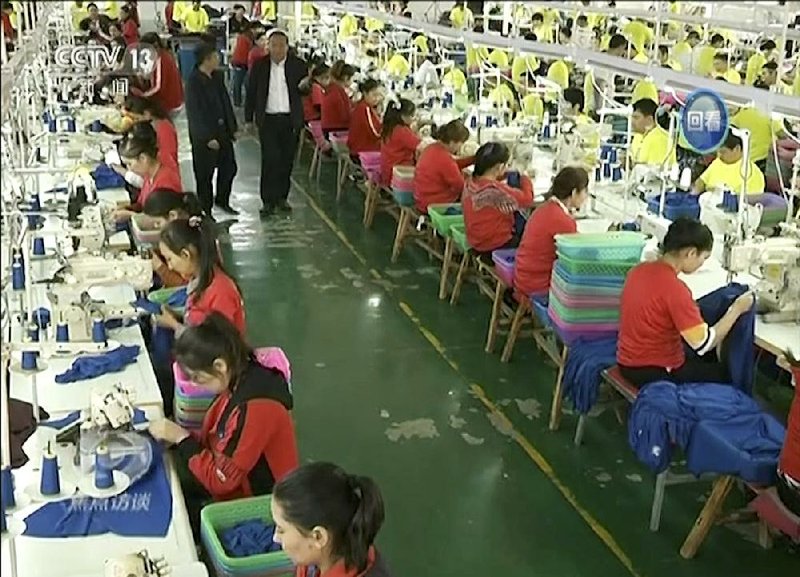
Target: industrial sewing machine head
[(136, 565), (111, 407)]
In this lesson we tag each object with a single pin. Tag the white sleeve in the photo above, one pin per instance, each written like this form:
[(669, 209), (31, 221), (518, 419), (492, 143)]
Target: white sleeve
[(134, 179)]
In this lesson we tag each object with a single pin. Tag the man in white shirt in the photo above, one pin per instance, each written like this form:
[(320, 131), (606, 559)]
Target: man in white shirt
[(275, 103)]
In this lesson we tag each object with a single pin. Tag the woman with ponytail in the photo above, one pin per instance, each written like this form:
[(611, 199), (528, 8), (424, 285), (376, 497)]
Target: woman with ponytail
[(399, 142), (365, 123), (336, 106), (141, 109), (327, 521), (189, 247)]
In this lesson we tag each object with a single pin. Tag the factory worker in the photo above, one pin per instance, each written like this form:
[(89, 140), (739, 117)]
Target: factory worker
[(318, 78), (365, 121), (427, 74), (683, 51), (789, 465), (455, 79), (148, 110), (336, 105), (398, 66), (247, 441), (460, 16), (768, 77), (639, 34), (536, 254), (78, 12), (491, 205), (558, 72), (658, 314), (757, 61), (655, 147), (166, 84), (723, 71), (399, 142), (348, 27), (665, 60), (438, 178), (522, 65), (543, 30), (703, 57), (726, 170), (195, 20), (327, 521), (763, 130)]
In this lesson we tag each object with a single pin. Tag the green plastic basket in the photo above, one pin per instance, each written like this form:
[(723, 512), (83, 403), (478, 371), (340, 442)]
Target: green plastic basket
[(459, 234), (444, 222), (584, 315), (161, 296), (607, 268), (220, 516), (622, 246)]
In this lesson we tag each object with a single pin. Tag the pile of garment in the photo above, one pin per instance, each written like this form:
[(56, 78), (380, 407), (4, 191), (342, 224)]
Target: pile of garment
[(249, 538)]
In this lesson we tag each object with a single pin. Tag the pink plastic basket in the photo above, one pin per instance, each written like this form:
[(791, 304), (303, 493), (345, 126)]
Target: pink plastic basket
[(370, 160), (584, 301), (504, 264), (569, 333)]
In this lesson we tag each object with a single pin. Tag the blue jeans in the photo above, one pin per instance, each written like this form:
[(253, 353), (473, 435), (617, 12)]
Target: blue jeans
[(239, 77)]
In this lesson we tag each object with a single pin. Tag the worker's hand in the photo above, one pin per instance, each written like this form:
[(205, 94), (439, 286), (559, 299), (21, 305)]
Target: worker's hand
[(168, 318), (166, 430), (213, 144), (744, 303), (122, 215)]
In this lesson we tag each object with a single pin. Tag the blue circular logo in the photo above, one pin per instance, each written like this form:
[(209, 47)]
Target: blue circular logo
[(704, 120)]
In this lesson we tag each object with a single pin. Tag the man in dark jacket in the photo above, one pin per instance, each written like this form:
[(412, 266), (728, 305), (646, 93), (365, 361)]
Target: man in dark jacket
[(212, 130), (274, 101)]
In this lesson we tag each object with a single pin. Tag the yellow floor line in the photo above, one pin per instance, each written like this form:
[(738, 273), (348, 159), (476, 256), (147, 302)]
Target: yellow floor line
[(539, 460)]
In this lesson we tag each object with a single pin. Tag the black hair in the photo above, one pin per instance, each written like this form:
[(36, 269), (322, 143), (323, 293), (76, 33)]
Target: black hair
[(687, 233), (566, 31), (140, 105), (663, 49), (278, 32), (348, 506), (693, 34), (320, 69), (341, 70), (568, 180), (453, 131), (731, 141), (768, 45), (153, 40), (490, 155), (198, 233), (721, 56), (125, 9), (537, 16), (238, 7), (162, 201), (617, 41), (771, 65), (203, 51), (393, 117), (574, 96), (368, 86), (646, 107), (581, 19), (216, 337), (141, 139), (530, 36), (717, 39), (89, 6)]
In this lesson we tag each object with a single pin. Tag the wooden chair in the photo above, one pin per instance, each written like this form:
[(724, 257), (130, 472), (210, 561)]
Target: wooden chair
[(321, 148)]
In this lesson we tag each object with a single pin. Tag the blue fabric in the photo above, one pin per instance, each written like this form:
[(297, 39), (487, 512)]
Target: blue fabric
[(178, 298), (583, 370), (144, 510), (105, 177), (147, 305), (138, 419), (249, 538), (735, 436), (92, 366), (740, 341), (161, 344), (453, 211)]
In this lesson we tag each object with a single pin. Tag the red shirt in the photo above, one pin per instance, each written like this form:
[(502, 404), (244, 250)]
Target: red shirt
[(335, 108), (536, 254), (375, 567), (221, 296), (256, 53), (399, 149), (312, 104), (790, 455), (655, 308), (167, 178), (167, 139), (168, 79), (241, 51), (130, 31), (168, 13), (438, 178), (365, 129), (488, 228), (8, 29)]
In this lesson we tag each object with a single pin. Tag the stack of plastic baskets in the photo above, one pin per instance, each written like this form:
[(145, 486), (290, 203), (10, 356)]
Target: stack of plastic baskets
[(218, 517), (444, 216), (191, 402), (403, 185), (587, 282), (371, 165), (339, 142)]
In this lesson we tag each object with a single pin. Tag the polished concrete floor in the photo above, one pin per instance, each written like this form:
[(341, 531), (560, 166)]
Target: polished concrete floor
[(392, 383)]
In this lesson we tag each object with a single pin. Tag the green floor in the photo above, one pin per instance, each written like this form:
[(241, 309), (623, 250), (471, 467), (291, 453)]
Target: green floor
[(392, 383)]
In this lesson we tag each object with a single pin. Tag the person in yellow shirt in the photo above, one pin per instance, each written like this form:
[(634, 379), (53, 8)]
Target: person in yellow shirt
[(665, 60), (543, 32), (348, 27), (455, 79), (111, 8), (639, 34), (522, 65), (499, 59), (726, 171), (655, 147), (78, 13), (420, 42), (762, 132), (757, 61), (374, 25), (682, 51), (769, 77), (195, 21), (502, 96), (723, 71), (398, 66), (558, 72), (269, 11), (703, 63), (644, 89), (532, 106), (476, 56), (460, 16), (179, 11)]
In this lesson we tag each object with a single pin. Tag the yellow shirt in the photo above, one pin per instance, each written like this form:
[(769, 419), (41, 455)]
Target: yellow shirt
[(544, 33), (498, 58), (682, 53), (558, 72), (730, 75), (308, 10), (641, 58), (754, 65), (348, 27), (719, 174), (533, 106), (459, 16), (268, 11), (705, 61), (521, 66), (421, 42), (644, 89), (179, 10), (654, 148), (476, 56), (639, 34), (78, 15), (456, 79), (374, 25), (112, 9), (196, 20), (502, 96), (761, 131), (398, 66)]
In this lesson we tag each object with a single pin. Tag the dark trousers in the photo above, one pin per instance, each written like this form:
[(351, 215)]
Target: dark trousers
[(694, 370), (278, 146), (205, 161), (239, 79)]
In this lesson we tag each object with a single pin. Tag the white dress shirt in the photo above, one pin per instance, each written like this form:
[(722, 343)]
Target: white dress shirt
[(278, 94)]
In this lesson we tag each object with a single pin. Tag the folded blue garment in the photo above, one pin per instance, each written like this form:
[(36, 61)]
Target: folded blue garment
[(178, 298), (144, 510), (147, 305), (249, 538), (583, 371), (90, 367), (105, 177), (453, 211), (138, 418)]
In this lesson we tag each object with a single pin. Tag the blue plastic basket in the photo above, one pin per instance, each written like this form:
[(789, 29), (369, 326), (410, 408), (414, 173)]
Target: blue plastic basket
[(676, 205), (403, 197)]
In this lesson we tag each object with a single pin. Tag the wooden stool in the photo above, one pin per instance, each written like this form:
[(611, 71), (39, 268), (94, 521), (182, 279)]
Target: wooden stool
[(558, 391), (405, 227)]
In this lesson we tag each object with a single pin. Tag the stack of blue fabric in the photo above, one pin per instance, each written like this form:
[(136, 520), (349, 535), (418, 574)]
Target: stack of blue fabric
[(249, 538)]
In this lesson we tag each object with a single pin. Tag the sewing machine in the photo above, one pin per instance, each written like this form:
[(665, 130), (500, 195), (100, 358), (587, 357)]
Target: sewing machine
[(136, 565)]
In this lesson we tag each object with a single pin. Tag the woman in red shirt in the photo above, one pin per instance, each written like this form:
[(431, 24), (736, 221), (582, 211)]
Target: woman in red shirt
[(327, 521), (189, 247), (335, 113), (365, 123), (439, 178), (491, 206), (148, 110), (319, 78), (789, 464), (536, 255), (139, 152), (257, 52), (241, 51), (128, 25), (166, 84), (399, 143), (658, 314)]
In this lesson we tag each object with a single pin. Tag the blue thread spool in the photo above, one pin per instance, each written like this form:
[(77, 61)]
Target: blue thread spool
[(3, 525), (612, 155), (605, 152), (52, 125), (98, 331), (38, 246), (33, 332), (606, 170), (46, 116), (28, 362), (103, 473), (488, 122), (36, 203), (7, 489), (71, 127), (41, 317), (616, 173), (62, 333), (17, 274), (97, 126), (50, 483), (473, 122)]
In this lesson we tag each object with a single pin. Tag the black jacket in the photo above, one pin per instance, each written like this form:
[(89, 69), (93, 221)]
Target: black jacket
[(208, 108), (255, 106)]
